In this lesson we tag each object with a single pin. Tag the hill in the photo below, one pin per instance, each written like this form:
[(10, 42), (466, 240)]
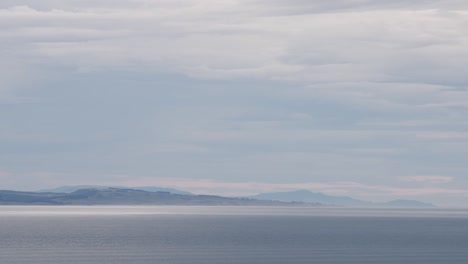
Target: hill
[(117, 196), (315, 197), (72, 188)]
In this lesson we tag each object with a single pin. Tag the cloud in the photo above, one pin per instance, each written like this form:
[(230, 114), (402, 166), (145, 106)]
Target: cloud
[(236, 39), (382, 56), (245, 90), (427, 179)]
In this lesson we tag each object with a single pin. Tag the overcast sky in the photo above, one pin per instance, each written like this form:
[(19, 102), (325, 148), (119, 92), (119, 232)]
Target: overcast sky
[(362, 98)]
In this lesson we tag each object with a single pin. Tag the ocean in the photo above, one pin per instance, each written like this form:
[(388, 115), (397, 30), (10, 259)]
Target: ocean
[(247, 235)]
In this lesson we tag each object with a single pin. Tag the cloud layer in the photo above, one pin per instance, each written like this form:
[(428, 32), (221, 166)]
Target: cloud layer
[(236, 91)]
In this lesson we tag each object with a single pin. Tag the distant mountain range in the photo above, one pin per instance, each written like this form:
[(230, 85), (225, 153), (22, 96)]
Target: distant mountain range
[(72, 188), (117, 196), (315, 197), (111, 195)]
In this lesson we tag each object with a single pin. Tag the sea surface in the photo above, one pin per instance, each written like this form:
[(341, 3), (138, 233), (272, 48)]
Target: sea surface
[(247, 235)]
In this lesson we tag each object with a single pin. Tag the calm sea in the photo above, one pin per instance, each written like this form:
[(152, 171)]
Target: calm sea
[(250, 235)]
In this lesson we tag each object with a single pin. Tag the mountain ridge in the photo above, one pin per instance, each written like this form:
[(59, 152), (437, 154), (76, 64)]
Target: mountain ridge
[(307, 196), (102, 195), (116, 196), (72, 188)]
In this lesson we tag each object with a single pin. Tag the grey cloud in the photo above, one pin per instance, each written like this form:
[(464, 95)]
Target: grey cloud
[(385, 45), (275, 91), (295, 7)]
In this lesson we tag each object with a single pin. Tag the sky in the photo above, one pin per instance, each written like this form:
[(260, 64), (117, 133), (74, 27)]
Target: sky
[(361, 98)]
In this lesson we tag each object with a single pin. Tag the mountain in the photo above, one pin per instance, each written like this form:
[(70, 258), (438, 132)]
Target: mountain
[(314, 197), (125, 196), (117, 196), (405, 203), (70, 189), (309, 197), (32, 198)]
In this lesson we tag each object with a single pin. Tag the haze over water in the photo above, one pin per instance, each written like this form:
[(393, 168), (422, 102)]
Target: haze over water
[(180, 234)]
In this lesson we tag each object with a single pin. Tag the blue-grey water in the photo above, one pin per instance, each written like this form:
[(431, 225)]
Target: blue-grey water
[(248, 235)]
